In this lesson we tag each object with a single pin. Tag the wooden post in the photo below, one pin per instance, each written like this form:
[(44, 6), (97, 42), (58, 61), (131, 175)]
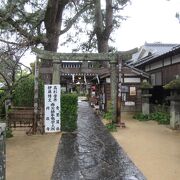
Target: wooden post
[(36, 95), (113, 76), (119, 91)]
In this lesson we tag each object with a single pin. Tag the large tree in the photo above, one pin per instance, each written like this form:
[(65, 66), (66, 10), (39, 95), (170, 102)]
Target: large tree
[(34, 22), (42, 22), (106, 21), (12, 71), (99, 22)]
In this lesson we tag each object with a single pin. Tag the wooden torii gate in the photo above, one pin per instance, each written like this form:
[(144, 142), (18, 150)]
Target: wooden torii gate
[(115, 75)]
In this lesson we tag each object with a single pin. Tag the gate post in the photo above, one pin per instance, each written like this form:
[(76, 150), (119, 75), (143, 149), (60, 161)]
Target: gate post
[(56, 73), (113, 77)]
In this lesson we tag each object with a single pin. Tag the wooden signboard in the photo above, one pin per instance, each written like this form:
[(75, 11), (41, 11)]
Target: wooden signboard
[(52, 108)]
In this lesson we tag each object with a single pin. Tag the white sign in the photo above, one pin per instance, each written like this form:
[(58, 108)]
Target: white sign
[(52, 108), (129, 103), (132, 80), (133, 91), (108, 80)]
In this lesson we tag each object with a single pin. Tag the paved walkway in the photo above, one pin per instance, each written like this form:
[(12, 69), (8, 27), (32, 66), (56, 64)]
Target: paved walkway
[(92, 153)]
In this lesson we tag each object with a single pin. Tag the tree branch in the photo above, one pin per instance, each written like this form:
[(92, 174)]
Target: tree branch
[(73, 20), (13, 43)]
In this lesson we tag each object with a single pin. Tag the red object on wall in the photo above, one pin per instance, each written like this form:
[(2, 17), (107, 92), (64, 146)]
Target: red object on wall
[(93, 88)]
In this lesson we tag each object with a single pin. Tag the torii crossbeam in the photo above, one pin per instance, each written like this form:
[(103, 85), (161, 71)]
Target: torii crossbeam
[(113, 59)]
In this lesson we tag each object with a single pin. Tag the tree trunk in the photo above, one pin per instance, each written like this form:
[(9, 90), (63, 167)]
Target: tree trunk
[(103, 28), (102, 45), (53, 22)]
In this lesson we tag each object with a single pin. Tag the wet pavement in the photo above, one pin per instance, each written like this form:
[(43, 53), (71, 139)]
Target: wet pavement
[(91, 153)]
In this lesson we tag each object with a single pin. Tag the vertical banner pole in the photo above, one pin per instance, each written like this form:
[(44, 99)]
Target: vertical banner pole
[(119, 89)]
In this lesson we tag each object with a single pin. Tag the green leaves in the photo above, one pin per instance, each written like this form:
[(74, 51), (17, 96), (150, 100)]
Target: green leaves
[(174, 84), (24, 92), (146, 85), (160, 115)]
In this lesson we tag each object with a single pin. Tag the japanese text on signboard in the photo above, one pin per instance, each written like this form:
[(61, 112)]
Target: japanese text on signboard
[(52, 108)]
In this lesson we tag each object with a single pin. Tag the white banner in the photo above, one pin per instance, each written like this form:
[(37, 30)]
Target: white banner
[(52, 108)]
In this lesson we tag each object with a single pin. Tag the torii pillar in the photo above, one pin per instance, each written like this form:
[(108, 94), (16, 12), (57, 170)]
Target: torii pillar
[(56, 73), (114, 88)]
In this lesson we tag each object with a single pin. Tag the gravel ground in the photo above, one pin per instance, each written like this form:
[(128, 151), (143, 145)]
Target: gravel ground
[(30, 157), (154, 148)]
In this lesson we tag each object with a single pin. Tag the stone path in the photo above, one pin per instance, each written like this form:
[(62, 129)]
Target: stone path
[(92, 153)]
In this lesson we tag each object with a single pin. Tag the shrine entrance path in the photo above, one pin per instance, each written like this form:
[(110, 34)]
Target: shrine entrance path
[(153, 148), (91, 153)]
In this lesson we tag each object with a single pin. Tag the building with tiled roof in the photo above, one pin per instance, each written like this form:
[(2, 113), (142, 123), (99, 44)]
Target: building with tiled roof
[(161, 62), (150, 51)]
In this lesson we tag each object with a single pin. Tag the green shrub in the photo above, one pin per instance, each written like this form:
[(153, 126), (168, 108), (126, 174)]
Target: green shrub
[(9, 133), (24, 92), (160, 114), (111, 127), (108, 116), (174, 84), (69, 107), (141, 117), (162, 117), (146, 85)]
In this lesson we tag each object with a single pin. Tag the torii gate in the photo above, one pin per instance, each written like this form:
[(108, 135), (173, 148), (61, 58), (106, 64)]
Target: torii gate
[(115, 74)]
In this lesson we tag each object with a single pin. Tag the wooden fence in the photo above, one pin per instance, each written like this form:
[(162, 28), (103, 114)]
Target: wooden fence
[(20, 117)]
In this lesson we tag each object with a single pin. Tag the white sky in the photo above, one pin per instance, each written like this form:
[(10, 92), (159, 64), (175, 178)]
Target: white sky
[(149, 21)]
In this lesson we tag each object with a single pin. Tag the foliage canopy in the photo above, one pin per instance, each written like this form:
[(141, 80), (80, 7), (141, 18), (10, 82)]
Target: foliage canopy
[(25, 23), (174, 84)]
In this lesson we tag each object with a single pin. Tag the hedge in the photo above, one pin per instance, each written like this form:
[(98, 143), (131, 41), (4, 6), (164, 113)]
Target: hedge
[(69, 105)]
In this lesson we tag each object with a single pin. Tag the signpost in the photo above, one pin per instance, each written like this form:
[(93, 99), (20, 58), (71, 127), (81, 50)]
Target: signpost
[(52, 108)]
